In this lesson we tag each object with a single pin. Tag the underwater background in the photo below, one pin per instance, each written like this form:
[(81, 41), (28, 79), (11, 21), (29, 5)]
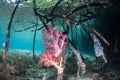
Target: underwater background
[(19, 40), (27, 50)]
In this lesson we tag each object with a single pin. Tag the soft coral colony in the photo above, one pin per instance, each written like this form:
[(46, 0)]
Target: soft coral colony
[(55, 43)]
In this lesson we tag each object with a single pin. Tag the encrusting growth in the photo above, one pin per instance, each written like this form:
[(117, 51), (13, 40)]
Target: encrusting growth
[(98, 47)]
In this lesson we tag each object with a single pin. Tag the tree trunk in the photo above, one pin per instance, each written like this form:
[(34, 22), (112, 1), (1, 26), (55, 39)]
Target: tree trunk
[(61, 67), (4, 57), (60, 73), (36, 25), (81, 65)]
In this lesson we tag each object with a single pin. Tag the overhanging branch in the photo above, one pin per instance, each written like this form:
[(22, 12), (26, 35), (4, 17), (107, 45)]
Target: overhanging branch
[(86, 27), (93, 4)]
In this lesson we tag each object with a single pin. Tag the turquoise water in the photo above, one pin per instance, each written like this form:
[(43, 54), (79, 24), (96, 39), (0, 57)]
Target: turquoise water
[(19, 40)]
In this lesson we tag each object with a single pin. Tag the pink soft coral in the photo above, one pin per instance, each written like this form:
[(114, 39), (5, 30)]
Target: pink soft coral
[(47, 59), (54, 42)]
